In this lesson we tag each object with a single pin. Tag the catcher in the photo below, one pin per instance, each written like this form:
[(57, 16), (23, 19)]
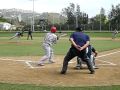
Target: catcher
[(91, 53)]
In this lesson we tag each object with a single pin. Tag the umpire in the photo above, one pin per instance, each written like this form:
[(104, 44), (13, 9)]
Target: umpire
[(79, 42), (29, 34)]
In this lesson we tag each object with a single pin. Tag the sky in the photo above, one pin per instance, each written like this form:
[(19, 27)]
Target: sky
[(91, 7)]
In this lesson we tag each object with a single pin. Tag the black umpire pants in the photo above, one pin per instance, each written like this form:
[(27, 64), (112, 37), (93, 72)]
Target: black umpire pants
[(29, 35), (73, 52)]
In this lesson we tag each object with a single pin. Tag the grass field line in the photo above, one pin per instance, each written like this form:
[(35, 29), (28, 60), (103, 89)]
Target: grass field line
[(7, 59), (108, 54), (108, 63), (27, 62)]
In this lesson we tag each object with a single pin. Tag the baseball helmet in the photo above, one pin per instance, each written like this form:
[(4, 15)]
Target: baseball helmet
[(53, 29)]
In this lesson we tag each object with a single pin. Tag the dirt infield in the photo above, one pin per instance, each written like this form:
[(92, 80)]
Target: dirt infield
[(24, 70)]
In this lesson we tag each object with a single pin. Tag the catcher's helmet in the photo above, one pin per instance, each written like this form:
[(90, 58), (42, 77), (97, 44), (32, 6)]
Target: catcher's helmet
[(53, 29)]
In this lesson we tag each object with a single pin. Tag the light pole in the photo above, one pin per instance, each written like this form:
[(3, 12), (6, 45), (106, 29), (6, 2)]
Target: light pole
[(102, 13), (32, 24), (33, 18), (76, 20), (100, 22), (53, 20), (76, 16)]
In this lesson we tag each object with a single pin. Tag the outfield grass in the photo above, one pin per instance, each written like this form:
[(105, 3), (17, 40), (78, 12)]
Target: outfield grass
[(40, 34), (4, 86), (100, 34), (33, 48)]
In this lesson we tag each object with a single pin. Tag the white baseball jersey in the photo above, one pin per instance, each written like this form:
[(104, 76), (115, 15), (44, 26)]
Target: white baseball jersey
[(50, 39)]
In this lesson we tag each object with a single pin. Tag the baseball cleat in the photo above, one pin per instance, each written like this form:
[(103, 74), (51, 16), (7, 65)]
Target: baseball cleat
[(40, 64), (62, 72), (92, 72), (95, 67), (51, 62)]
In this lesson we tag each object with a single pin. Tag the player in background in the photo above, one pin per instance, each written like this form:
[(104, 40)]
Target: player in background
[(49, 39), (29, 34), (114, 34), (17, 35), (91, 53)]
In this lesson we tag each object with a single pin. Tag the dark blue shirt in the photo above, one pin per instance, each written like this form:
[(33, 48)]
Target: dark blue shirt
[(80, 38)]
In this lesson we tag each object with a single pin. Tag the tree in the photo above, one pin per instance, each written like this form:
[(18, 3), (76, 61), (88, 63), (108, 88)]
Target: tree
[(74, 16), (3, 19), (69, 11), (114, 17), (102, 18), (98, 22)]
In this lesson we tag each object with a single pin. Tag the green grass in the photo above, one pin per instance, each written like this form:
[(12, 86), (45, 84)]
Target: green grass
[(100, 34), (105, 45), (9, 34), (4, 86), (33, 47), (21, 48), (39, 34)]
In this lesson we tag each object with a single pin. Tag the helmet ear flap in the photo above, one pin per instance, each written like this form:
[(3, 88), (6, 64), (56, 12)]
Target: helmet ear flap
[(53, 29)]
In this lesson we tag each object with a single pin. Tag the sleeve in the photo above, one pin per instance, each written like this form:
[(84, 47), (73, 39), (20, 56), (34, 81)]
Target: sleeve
[(87, 38), (55, 39), (72, 35)]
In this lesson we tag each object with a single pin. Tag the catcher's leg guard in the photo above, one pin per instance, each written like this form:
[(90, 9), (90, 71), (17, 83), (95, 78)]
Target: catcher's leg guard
[(93, 62), (79, 63)]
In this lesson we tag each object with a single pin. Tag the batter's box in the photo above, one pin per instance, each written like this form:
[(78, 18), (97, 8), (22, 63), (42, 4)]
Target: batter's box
[(33, 64), (104, 63)]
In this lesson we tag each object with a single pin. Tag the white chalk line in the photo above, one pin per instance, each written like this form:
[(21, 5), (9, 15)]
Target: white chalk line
[(27, 62), (107, 54), (7, 59), (32, 67), (109, 63)]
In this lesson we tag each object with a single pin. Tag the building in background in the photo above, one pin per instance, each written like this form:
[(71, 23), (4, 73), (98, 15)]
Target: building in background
[(5, 26)]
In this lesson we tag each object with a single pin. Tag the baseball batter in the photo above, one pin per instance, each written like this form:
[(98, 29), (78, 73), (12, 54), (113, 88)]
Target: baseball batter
[(49, 39)]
